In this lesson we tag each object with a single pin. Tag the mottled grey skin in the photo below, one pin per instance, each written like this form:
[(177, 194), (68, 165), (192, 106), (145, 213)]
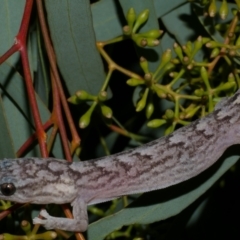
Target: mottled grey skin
[(158, 164)]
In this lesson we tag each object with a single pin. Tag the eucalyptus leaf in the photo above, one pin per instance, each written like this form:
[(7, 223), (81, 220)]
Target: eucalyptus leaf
[(6, 143), (18, 114), (72, 33)]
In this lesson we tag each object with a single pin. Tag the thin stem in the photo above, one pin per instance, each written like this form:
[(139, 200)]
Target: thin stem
[(57, 118), (21, 43), (33, 104), (117, 39), (112, 65), (105, 84), (10, 52)]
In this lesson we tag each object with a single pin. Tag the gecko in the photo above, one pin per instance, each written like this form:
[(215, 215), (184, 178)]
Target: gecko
[(158, 164)]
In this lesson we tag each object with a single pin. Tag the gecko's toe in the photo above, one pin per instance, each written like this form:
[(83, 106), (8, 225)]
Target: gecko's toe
[(44, 213), (37, 220)]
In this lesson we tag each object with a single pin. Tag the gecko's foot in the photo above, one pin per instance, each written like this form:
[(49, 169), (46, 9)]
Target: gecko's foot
[(44, 213), (38, 220)]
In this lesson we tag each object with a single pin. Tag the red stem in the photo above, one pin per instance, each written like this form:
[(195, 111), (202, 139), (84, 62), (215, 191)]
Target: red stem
[(20, 45), (52, 59), (57, 118), (41, 135), (10, 52), (21, 42)]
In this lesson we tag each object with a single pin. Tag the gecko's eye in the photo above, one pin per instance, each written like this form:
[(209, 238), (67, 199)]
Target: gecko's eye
[(8, 189)]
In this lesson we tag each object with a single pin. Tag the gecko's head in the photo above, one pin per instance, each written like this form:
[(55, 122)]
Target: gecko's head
[(35, 180)]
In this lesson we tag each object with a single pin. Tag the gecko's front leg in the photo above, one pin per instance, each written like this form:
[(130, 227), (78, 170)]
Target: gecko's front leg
[(78, 224)]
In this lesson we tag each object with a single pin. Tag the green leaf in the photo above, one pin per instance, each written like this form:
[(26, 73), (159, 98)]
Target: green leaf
[(19, 122), (6, 146), (165, 203), (72, 33), (16, 106)]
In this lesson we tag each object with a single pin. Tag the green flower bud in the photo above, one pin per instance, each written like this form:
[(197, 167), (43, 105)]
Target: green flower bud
[(140, 41), (149, 109), (173, 74), (192, 112), (144, 64), (168, 67), (74, 100), (223, 11), (186, 60), (142, 103), (152, 42), (204, 75), (106, 111), (205, 40), (46, 235), (102, 96), (86, 117), (167, 55), (212, 44), (78, 151), (169, 130), (142, 18), (226, 86), (159, 91), (197, 45), (231, 78), (169, 114), (155, 33), (83, 95), (175, 61), (155, 123), (148, 77), (237, 43), (189, 46), (186, 50), (96, 211), (26, 227), (212, 10), (215, 52), (166, 58), (135, 82), (178, 51), (199, 92), (127, 30), (131, 17)]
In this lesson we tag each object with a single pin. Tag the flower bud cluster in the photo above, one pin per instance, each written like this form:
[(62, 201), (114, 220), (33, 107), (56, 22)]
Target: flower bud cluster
[(83, 96), (149, 38)]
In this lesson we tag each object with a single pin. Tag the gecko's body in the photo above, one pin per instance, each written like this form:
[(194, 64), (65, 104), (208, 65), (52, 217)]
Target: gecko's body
[(158, 164)]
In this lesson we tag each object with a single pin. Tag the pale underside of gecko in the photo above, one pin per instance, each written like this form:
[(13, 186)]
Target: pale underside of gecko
[(161, 163)]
